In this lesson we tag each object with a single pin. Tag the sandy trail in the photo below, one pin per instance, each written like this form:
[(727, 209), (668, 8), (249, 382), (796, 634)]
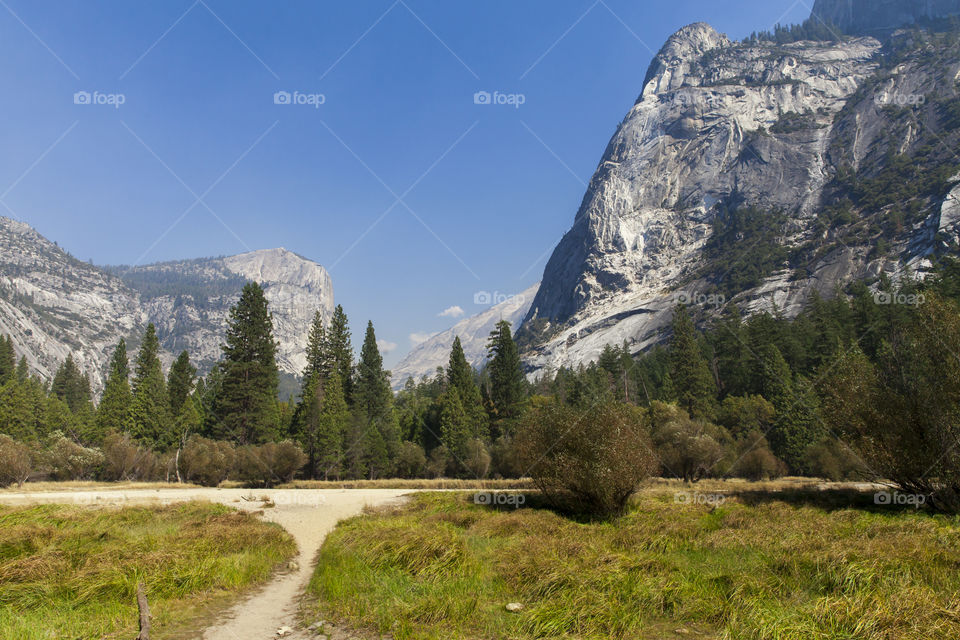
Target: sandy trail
[(308, 514)]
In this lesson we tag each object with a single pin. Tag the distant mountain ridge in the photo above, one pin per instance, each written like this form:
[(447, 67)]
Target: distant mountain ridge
[(473, 332), (53, 304)]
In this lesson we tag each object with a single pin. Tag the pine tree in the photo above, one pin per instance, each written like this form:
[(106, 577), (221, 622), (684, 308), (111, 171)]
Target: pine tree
[(318, 356), (149, 420), (114, 409), (373, 401), (8, 359), (180, 382), (506, 372), (460, 377), (338, 352), (247, 399), (23, 369), (690, 375), (334, 421), (455, 427), (71, 385)]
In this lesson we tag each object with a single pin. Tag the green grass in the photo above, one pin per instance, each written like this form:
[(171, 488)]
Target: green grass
[(761, 566), (72, 572)]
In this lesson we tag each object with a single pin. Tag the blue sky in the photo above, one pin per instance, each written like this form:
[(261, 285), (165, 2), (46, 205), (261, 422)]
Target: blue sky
[(413, 196)]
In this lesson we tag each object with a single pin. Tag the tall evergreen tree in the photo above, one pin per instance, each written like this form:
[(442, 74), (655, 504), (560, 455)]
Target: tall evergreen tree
[(373, 401), (506, 372), (455, 428), (690, 374), (114, 409), (318, 355), (71, 385), (23, 369), (149, 419), (8, 359), (247, 399), (338, 351), (333, 423), (180, 382)]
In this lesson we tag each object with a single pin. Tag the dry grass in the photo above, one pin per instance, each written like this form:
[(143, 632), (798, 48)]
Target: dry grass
[(791, 560), (78, 485), (435, 484), (72, 572)]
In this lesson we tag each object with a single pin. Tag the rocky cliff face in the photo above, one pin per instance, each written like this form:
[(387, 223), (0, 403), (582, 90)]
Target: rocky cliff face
[(806, 137), (53, 304), (189, 301)]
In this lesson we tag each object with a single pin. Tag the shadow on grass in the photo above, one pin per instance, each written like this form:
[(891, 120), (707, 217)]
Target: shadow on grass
[(881, 501)]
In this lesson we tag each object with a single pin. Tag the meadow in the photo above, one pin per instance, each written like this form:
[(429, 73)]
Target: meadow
[(731, 560), (70, 571)]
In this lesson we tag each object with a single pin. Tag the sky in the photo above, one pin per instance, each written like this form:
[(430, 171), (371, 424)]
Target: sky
[(423, 151)]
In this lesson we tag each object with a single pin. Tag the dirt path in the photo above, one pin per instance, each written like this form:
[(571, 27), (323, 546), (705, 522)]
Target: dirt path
[(308, 514)]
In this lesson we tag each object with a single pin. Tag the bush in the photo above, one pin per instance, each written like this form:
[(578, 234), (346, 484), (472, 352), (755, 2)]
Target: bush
[(478, 459), (123, 459), (505, 461), (269, 464), (64, 459), (755, 460), (688, 449), (206, 462), (437, 464), (586, 461), (832, 460), (411, 461), (15, 463)]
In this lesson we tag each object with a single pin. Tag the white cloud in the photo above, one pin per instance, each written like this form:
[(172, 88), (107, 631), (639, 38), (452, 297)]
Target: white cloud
[(451, 312), (386, 346), (417, 338)]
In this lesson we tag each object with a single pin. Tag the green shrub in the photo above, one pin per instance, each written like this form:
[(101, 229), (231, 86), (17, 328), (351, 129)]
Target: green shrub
[(687, 448), (587, 461), (64, 459), (123, 459), (15, 463), (206, 462), (269, 464), (411, 460)]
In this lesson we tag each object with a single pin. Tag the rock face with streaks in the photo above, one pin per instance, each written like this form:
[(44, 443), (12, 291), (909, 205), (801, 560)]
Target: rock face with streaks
[(817, 136), (53, 304)]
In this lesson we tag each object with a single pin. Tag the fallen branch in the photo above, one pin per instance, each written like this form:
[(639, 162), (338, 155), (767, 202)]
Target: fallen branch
[(144, 613)]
